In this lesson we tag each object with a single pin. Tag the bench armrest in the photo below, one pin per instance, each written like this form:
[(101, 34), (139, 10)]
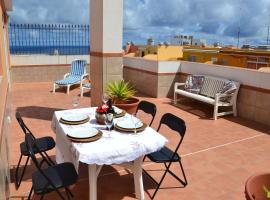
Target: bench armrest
[(220, 95), (176, 85)]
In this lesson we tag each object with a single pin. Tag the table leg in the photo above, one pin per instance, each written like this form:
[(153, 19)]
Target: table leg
[(92, 170), (138, 181)]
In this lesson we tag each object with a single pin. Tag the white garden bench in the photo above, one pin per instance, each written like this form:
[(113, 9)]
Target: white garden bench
[(210, 93)]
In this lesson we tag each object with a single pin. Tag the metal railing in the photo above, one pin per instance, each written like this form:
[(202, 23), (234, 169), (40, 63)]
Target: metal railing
[(52, 39)]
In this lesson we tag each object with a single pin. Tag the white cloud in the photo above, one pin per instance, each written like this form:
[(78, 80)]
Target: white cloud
[(161, 19)]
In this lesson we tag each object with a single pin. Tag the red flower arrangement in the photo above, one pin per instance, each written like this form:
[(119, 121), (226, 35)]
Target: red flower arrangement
[(102, 109)]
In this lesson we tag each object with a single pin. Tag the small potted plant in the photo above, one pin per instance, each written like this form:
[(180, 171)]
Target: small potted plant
[(101, 113), (257, 187), (122, 94)]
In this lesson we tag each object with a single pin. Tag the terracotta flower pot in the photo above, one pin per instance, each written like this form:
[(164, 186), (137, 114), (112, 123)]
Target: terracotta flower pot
[(254, 186), (130, 106)]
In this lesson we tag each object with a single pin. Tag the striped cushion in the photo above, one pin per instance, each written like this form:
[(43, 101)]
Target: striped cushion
[(211, 87), (69, 80), (78, 67)]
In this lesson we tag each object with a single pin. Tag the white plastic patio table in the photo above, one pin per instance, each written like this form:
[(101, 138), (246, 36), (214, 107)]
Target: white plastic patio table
[(115, 147)]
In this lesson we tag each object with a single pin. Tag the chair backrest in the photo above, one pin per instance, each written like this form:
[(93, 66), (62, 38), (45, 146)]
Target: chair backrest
[(30, 145), (175, 123), (148, 108), (78, 68), (22, 124)]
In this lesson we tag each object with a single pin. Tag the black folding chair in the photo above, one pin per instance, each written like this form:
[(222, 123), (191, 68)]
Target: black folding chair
[(148, 108), (52, 178), (44, 144), (167, 156)]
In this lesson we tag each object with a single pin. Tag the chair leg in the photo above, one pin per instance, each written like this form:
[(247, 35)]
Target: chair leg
[(30, 193), (234, 110), (184, 183), (72, 195), (67, 194), (54, 88), (17, 179), (81, 91), (183, 172), (215, 112), (158, 186), (51, 161), (68, 88), (42, 196), (59, 193)]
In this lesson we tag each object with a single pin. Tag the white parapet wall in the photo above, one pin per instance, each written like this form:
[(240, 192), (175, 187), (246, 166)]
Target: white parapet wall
[(248, 77), (157, 78), (36, 59), (42, 68)]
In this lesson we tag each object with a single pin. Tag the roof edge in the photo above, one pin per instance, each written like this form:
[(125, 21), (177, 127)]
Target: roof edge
[(7, 5)]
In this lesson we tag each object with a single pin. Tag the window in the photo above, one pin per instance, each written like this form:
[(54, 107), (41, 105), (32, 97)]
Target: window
[(192, 58), (214, 59)]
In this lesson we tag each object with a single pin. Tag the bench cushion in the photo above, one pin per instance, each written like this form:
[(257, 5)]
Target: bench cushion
[(212, 86), (196, 96), (194, 83)]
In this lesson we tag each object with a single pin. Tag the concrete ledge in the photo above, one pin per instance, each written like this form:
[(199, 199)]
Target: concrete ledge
[(157, 80)]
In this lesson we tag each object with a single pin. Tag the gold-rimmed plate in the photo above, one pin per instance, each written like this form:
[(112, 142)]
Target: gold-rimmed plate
[(129, 130), (74, 123), (86, 140), (122, 114)]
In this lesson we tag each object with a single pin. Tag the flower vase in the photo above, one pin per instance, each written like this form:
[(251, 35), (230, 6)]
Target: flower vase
[(100, 118)]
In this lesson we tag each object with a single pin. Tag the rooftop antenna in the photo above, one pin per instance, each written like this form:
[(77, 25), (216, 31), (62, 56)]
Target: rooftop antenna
[(268, 29), (238, 36), (238, 31)]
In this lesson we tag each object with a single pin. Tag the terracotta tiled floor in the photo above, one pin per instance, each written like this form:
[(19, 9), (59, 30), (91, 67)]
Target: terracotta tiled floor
[(218, 156)]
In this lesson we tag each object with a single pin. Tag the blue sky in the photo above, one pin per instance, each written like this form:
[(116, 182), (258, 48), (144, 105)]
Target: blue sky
[(214, 20)]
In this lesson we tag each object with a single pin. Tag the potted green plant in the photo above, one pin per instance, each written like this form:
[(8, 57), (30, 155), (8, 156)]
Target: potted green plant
[(122, 94)]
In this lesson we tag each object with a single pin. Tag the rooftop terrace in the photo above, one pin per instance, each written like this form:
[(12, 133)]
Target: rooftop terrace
[(218, 156)]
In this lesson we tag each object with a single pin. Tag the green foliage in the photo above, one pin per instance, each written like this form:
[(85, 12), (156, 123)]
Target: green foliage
[(120, 91), (266, 191)]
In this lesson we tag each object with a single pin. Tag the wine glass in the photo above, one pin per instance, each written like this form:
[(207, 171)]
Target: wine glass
[(105, 98), (109, 122), (75, 101), (136, 121)]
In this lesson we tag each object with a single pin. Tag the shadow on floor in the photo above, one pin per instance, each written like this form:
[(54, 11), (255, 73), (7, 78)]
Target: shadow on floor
[(29, 169), (37, 112), (63, 89), (205, 112)]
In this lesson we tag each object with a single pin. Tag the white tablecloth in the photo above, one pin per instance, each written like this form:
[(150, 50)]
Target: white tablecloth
[(113, 148)]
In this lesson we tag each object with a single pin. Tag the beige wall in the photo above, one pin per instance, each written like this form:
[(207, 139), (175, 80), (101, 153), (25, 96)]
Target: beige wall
[(254, 105), (39, 73), (42, 68), (4, 108), (35, 59)]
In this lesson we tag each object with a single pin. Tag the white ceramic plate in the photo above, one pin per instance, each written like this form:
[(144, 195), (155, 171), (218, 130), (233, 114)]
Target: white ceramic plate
[(74, 117), (83, 133), (117, 110), (129, 124)]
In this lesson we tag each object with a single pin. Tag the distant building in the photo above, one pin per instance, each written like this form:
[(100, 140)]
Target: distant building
[(187, 40), (245, 57), (150, 41)]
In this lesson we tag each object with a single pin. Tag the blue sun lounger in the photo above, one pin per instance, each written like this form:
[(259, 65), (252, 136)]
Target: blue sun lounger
[(76, 76)]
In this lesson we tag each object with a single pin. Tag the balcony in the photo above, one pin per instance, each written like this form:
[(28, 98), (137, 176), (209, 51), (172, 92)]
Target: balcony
[(218, 156)]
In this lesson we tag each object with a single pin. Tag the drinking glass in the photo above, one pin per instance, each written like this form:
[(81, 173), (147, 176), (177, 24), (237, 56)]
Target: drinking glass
[(75, 101), (109, 122), (136, 121), (105, 98)]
